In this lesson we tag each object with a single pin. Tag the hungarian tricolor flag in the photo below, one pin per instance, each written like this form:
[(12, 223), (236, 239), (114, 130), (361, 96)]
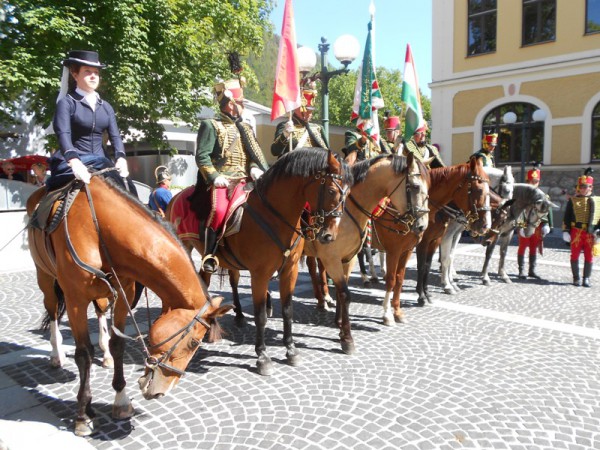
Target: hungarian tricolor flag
[(367, 96), (413, 118), (286, 95)]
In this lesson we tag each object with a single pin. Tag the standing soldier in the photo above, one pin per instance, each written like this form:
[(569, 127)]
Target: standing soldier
[(581, 225), (299, 129), (535, 242), (486, 152), (227, 154), (423, 151)]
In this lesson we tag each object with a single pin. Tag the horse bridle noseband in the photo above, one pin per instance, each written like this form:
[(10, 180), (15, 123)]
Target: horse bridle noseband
[(313, 228), (473, 215), (408, 219), (152, 362)]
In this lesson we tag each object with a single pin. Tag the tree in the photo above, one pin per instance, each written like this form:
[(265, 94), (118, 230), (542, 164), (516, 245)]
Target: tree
[(162, 55)]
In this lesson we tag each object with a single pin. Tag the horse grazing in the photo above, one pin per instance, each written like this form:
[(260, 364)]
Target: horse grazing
[(270, 235), (502, 182), (528, 207), (467, 186), (102, 244), (402, 181)]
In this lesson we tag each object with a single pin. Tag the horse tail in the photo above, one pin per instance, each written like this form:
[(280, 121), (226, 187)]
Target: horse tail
[(60, 296)]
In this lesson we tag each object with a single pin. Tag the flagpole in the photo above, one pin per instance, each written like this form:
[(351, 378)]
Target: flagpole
[(291, 139)]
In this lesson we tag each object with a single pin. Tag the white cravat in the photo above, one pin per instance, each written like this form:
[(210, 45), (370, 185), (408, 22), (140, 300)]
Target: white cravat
[(90, 97)]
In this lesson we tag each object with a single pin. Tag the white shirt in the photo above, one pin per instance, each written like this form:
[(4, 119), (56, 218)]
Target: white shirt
[(90, 97)]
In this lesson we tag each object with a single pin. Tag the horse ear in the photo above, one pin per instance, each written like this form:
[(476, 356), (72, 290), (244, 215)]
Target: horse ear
[(333, 163), (428, 161), (552, 205), (216, 300)]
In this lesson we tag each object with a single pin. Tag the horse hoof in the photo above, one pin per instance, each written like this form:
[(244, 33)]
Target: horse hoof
[(84, 427), (421, 301), (388, 321), (240, 321), (269, 312), (264, 368), (374, 280), (429, 300), (486, 282), (122, 412), (449, 291), (366, 283), (294, 360), (400, 319), (348, 348), (56, 362), (108, 363), (322, 307), (507, 280), (329, 301)]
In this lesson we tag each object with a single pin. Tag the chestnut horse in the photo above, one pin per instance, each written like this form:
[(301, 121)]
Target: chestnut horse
[(107, 240), (401, 181), (270, 234), (467, 186)]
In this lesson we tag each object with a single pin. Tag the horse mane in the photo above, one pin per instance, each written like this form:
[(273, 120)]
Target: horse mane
[(441, 174), (119, 190), (399, 164), (302, 162)]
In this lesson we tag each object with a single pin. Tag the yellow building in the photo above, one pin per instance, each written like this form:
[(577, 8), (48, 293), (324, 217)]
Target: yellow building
[(539, 59)]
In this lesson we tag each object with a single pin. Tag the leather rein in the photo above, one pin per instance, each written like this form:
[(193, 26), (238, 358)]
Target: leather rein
[(150, 361), (412, 214), (315, 225)]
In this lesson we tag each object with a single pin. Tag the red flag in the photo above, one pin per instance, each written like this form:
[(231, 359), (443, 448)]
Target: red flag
[(286, 95)]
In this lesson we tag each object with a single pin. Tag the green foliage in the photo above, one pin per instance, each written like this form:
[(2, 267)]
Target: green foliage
[(163, 56), (341, 97)]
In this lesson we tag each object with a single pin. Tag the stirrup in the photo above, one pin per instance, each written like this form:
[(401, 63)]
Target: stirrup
[(210, 263)]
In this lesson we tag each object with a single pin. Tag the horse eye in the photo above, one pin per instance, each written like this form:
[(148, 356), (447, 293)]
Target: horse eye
[(193, 343)]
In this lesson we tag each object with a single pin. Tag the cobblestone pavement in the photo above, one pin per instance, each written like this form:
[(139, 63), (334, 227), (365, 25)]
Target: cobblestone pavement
[(511, 366)]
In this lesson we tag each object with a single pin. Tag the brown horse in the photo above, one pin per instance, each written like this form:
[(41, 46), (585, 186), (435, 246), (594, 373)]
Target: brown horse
[(104, 243), (467, 186), (270, 234), (404, 181)]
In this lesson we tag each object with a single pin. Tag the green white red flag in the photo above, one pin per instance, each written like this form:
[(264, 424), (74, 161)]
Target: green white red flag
[(411, 96), (286, 94), (367, 95)]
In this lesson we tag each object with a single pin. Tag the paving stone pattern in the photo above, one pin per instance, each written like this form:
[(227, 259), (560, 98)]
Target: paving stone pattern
[(447, 379)]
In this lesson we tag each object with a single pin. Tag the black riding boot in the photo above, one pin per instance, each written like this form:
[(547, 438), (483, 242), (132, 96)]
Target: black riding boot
[(521, 262), (587, 273), (575, 271), (532, 261), (210, 261)]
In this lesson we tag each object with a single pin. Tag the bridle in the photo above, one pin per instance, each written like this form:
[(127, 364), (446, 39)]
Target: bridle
[(472, 216), (313, 228), (390, 214), (152, 362), (528, 222)]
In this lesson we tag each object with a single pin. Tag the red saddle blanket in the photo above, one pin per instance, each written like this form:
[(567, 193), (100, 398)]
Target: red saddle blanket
[(187, 223)]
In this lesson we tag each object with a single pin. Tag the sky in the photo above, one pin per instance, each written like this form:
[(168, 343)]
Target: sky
[(397, 23)]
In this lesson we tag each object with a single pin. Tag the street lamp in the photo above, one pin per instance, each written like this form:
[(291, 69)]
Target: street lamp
[(539, 115), (345, 50)]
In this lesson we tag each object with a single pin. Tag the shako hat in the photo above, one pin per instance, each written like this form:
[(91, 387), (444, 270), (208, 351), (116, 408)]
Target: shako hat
[(162, 173), (586, 178), (308, 91), (391, 123), (490, 139), (83, 58)]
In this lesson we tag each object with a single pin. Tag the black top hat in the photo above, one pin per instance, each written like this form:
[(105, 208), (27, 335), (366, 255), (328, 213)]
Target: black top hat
[(83, 58)]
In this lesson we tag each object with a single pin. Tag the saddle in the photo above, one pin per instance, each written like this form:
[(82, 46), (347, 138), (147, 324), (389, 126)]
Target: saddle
[(42, 217), (187, 220)]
